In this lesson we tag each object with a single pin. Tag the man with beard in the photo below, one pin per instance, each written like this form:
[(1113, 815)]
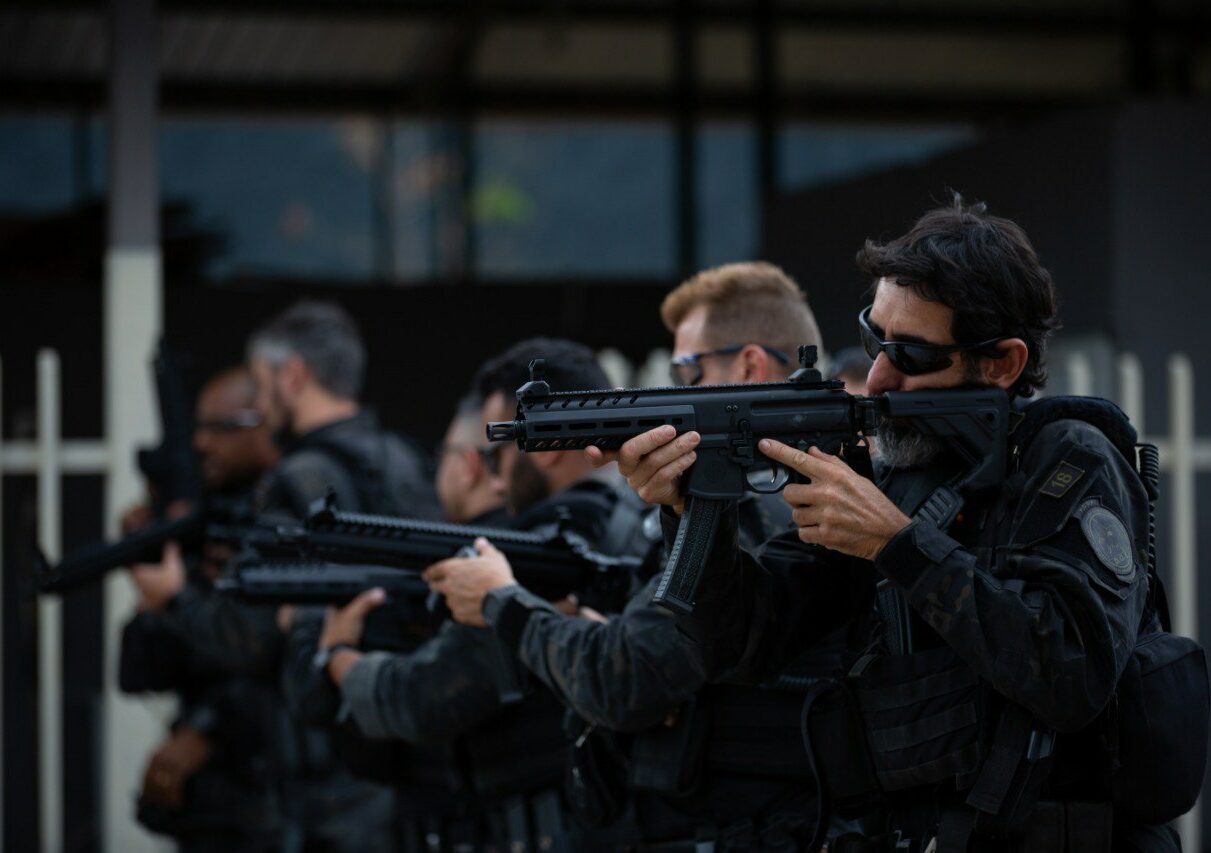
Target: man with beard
[(431, 791), (1024, 610), (449, 691), (209, 783), (698, 768)]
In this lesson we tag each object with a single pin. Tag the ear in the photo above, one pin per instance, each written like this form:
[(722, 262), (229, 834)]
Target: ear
[(1004, 371), (752, 365), (294, 374)]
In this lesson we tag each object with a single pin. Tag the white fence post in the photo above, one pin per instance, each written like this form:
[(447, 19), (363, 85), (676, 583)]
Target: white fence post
[(1080, 375), (50, 610), (1, 600), (1131, 390), (1183, 550)]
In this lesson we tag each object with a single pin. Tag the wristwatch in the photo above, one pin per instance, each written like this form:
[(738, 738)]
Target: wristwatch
[(321, 658)]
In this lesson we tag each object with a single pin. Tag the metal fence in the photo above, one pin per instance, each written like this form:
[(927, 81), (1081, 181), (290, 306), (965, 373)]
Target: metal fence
[(1183, 456)]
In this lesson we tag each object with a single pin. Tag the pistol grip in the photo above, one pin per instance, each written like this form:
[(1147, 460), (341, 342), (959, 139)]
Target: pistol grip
[(678, 587)]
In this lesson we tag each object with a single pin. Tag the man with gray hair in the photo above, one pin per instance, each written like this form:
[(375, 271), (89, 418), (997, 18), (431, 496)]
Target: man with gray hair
[(309, 363)]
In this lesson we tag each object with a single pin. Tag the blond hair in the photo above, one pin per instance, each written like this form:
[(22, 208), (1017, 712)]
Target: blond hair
[(747, 303)]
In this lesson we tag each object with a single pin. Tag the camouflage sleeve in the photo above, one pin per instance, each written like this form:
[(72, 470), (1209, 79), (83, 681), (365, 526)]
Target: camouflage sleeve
[(224, 635), (1053, 627), (435, 693), (760, 609), (627, 674)]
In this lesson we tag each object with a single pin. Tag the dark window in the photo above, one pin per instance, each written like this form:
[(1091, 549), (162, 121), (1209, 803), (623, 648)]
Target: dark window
[(814, 154), (566, 199), (727, 194), (288, 197)]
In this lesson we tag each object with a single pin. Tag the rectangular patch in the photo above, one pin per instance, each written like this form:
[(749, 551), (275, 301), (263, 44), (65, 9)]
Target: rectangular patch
[(1061, 480)]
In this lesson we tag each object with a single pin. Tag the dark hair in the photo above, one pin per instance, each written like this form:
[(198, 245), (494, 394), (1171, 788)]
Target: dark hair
[(983, 268), (569, 367), (323, 336)]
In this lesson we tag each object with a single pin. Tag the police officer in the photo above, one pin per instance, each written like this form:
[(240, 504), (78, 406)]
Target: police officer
[(309, 365), (1024, 610), (209, 783), (702, 769), (431, 790), (450, 690)]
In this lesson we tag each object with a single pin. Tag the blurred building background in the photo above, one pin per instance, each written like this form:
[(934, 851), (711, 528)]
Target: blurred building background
[(462, 173)]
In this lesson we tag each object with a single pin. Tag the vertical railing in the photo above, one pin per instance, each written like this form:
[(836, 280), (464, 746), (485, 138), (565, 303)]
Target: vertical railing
[(50, 609), (1183, 542), (2, 793)]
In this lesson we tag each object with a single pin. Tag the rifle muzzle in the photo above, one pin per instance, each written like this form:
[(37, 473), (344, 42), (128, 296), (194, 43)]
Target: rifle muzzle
[(504, 430)]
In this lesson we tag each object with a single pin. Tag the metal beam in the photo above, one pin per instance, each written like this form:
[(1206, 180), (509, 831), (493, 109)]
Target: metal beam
[(416, 99)]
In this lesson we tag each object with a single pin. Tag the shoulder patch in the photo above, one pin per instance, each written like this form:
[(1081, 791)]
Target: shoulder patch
[(1061, 480), (1108, 537)]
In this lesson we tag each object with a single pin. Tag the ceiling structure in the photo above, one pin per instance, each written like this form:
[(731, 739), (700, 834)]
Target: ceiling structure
[(970, 59)]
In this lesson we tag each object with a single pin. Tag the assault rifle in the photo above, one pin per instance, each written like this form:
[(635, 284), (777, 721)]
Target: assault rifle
[(217, 521), (171, 468), (804, 411), (172, 474), (335, 555)]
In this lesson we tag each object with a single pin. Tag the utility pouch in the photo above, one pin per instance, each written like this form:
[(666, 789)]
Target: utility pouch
[(669, 759), (595, 781), (920, 714), (1160, 722)]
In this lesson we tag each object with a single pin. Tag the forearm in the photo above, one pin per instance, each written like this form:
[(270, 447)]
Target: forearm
[(441, 690), (626, 674)]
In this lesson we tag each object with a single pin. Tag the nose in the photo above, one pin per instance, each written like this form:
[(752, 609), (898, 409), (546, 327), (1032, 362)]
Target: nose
[(883, 377)]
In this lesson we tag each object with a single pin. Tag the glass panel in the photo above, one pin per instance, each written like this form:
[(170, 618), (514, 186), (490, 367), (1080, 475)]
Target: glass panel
[(813, 154), (419, 175), (727, 194), (556, 199), (42, 166), (289, 197)]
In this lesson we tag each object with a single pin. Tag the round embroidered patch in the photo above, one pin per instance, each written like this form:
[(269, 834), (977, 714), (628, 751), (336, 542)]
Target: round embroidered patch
[(1109, 538)]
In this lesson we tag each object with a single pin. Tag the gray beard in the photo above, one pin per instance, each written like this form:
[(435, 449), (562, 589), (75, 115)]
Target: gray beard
[(899, 445)]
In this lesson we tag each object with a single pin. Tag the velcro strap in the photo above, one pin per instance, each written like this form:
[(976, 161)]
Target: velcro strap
[(1008, 751), (942, 507), (947, 766), (929, 687), (919, 731)]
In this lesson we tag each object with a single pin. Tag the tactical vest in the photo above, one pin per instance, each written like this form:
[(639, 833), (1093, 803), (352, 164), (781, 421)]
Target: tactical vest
[(516, 761), (731, 765), (900, 725)]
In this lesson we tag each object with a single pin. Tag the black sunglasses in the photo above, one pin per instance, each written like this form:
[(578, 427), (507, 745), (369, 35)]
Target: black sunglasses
[(687, 369), (916, 359)]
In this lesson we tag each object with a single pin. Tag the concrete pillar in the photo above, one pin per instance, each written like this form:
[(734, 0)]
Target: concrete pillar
[(133, 321)]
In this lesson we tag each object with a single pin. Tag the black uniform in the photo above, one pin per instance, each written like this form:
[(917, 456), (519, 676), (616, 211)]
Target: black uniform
[(230, 803), (707, 762), (1026, 609), (371, 471), (511, 749)]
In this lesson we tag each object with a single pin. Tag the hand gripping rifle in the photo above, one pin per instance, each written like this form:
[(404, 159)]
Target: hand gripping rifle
[(804, 411), (335, 555)]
